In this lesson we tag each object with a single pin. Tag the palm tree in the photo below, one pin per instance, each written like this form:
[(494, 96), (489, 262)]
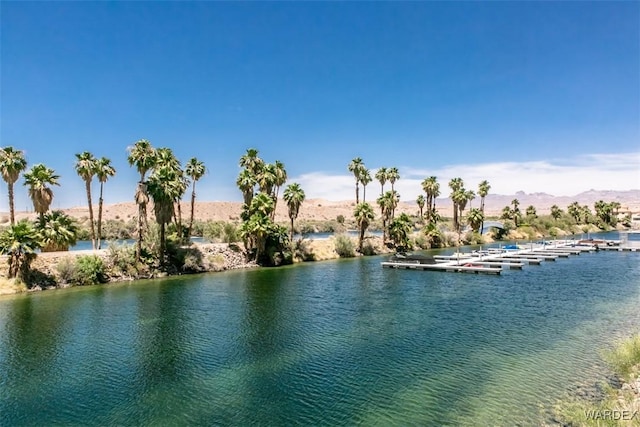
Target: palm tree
[(556, 212), (251, 162), (164, 187), (86, 165), (455, 185), (365, 179), (195, 170), (142, 155), (386, 203), (19, 242), (57, 231), (267, 178), (280, 178), (12, 163), (574, 211), (246, 183), (104, 171), (393, 175), (515, 211), (364, 215), (531, 212), (293, 196), (483, 190), (381, 176), (475, 218), (399, 231), (420, 201), (432, 189), (38, 179), (356, 167)]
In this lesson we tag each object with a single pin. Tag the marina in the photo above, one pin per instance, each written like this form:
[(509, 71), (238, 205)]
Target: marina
[(494, 260)]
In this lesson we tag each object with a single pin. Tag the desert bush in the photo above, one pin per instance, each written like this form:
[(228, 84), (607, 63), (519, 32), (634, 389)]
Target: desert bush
[(230, 233), (368, 249), (66, 270), (121, 260), (302, 251), (344, 246), (89, 271)]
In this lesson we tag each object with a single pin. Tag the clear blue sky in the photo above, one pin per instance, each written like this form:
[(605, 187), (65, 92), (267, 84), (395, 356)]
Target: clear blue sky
[(429, 87)]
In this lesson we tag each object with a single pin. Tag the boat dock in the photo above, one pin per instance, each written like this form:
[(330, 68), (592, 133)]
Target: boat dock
[(494, 261)]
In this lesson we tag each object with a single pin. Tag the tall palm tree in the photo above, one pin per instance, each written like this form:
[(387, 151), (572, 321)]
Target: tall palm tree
[(293, 196), (432, 188), (195, 170), (515, 211), (364, 216), (365, 179), (355, 167), (246, 183), (386, 202), (251, 162), (104, 171), (19, 242), (381, 176), (267, 178), (12, 163), (556, 212), (142, 155), (459, 198), (86, 164), (164, 187), (456, 184), (483, 190), (38, 179), (393, 175), (57, 231), (280, 178), (420, 201)]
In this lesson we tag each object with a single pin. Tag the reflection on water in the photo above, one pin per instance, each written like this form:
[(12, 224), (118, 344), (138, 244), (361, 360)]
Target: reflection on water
[(339, 342)]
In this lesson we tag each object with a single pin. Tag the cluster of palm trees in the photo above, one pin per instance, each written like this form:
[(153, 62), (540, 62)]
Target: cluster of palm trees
[(166, 183), (387, 201), (260, 184)]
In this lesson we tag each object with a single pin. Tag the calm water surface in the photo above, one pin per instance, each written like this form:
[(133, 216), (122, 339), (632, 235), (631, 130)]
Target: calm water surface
[(330, 343)]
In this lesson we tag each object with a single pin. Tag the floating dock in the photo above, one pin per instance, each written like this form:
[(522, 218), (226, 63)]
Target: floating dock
[(493, 261)]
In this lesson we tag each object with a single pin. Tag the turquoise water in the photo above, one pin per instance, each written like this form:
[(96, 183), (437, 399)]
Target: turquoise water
[(329, 343)]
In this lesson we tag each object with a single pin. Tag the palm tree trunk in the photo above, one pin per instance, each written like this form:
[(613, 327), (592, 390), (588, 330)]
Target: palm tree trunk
[(93, 229), (100, 203), (455, 216), (12, 209), (482, 210), (180, 235), (140, 234), (357, 193), (361, 239), (162, 243), (364, 194), (292, 232), (193, 203)]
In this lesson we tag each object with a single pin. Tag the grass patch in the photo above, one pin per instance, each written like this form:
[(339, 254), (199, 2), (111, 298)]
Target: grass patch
[(618, 407)]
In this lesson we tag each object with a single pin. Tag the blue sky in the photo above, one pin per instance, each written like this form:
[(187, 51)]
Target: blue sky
[(534, 96)]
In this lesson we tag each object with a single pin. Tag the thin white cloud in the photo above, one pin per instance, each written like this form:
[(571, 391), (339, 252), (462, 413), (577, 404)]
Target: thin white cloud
[(562, 177)]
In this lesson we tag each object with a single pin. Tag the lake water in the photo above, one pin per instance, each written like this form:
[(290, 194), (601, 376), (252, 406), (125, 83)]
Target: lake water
[(330, 343)]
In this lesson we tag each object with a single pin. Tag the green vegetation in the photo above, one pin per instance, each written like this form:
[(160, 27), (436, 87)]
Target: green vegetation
[(624, 360), (344, 246)]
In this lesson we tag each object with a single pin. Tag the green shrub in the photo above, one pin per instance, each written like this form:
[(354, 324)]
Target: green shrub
[(89, 271), (344, 246), (230, 233)]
